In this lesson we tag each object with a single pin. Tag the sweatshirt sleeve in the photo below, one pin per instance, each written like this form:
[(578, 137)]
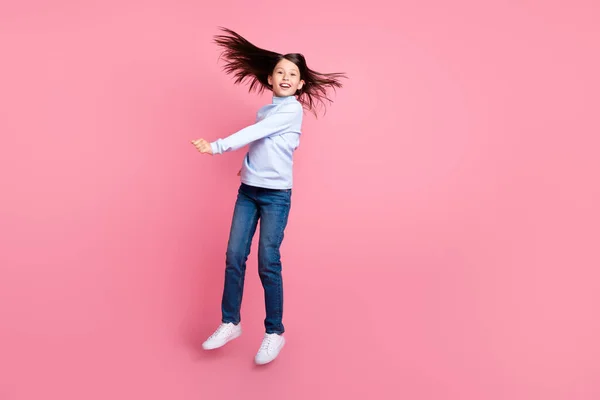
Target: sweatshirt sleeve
[(278, 122)]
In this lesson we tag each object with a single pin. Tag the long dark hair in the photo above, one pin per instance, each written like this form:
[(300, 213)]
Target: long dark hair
[(252, 64)]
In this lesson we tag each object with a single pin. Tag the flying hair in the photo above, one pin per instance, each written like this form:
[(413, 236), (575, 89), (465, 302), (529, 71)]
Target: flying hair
[(252, 65)]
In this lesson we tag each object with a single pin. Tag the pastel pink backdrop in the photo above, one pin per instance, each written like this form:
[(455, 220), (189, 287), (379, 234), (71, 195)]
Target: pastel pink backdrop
[(443, 241)]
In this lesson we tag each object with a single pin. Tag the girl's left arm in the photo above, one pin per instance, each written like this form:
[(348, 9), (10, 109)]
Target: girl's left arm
[(273, 124)]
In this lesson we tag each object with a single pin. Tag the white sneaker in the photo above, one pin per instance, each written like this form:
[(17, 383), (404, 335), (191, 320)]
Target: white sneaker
[(223, 334), (271, 346)]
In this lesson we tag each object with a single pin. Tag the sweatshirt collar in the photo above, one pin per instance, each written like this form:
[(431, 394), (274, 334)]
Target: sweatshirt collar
[(286, 99)]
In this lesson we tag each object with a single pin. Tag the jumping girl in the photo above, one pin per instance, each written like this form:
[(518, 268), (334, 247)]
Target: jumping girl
[(266, 178)]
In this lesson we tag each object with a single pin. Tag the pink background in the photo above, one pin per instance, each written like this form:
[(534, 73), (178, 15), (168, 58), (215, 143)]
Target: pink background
[(444, 236)]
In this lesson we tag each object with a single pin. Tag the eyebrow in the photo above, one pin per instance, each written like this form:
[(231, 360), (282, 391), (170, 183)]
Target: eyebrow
[(283, 69)]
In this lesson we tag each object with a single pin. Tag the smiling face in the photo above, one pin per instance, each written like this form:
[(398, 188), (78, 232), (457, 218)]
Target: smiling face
[(285, 79)]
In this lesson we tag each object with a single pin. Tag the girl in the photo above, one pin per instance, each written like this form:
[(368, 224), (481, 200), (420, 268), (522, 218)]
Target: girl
[(266, 178)]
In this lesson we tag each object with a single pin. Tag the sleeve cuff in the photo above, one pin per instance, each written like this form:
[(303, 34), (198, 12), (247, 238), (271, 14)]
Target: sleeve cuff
[(214, 148)]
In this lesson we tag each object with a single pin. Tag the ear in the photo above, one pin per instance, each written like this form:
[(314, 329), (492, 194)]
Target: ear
[(300, 84), (270, 80)]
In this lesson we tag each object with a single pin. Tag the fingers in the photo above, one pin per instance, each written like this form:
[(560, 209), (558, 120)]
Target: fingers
[(199, 142), (202, 145)]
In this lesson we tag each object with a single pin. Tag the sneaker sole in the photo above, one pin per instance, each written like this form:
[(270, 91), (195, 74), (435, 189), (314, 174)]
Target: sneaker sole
[(212, 347)]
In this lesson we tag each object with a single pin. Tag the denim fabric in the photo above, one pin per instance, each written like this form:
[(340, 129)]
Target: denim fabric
[(271, 207)]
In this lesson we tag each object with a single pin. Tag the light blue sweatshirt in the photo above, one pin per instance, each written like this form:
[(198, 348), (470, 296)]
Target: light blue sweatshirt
[(272, 139)]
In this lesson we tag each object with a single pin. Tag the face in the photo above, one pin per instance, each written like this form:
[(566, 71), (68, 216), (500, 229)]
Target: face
[(285, 79)]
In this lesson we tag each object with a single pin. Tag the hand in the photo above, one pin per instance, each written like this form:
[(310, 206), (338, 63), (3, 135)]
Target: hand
[(203, 146)]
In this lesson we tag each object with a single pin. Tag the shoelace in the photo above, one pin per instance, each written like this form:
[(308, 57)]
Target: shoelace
[(222, 328), (266, 342)]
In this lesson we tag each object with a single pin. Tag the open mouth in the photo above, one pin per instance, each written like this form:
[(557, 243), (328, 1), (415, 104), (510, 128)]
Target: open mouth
[(285, 85)]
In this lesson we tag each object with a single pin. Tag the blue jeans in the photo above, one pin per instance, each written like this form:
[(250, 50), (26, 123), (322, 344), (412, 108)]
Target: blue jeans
[(272, 207)]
